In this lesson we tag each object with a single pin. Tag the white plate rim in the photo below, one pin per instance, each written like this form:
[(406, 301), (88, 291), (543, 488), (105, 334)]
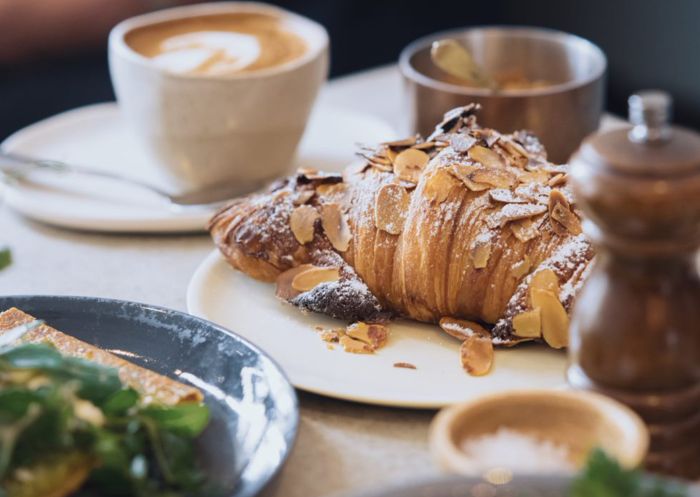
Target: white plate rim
[(183, 220), (189, 223), (194, 306)]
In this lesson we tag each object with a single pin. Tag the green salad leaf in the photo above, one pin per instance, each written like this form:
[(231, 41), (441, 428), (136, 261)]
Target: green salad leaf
[(5, 257), (53, 406), (604, 477), (120, 402), (187, 420)]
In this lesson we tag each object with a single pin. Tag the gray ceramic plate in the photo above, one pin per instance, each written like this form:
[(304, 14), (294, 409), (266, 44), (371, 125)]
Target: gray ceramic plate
[(254, 408), (455, 486)]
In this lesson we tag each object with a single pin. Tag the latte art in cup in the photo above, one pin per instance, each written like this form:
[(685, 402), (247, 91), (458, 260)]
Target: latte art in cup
[(218, 44), (218, 93), (208, 52)]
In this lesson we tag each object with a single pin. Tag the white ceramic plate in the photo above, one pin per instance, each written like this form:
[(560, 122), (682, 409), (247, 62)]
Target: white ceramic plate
[(96, 136), (248, 307)]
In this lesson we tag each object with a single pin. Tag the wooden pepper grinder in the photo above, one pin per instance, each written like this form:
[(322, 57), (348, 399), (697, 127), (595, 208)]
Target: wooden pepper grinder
[(635, 329)]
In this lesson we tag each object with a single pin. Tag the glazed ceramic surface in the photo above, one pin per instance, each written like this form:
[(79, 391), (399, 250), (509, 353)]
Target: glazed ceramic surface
[(232, 299), (518, 486), (254, 408), (205, 130)]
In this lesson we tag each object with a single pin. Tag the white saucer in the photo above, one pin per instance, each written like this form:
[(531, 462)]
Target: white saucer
[(96, 136), (249, 308)]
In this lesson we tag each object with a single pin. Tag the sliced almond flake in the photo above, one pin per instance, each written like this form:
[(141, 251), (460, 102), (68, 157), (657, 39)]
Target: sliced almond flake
[(335, 226), (404, 365), (462, 172), (556, 196), (526, 229), (554, 319), (355, 346), (528, 324), (406, 142), (410, 163), (381, 152), (480, 254), (558, 179), (548, 167), (486, 157), (368, 156), (424, 145), (303, 196), (506, 196), (538, 176), (545, 279), (284, 288), (511, 158), (314, 276), (384, 161), (535, 192), (566, 218), (452, 121), (382, 165), (438, 185), (391, 154), (373, 334), (462, 328), (302, 222), (500, 178), (458, 112), (513, 212), (514, 147), (476, 354), (521, 268), (391, 208), (462, 142), (333, 189), (489, 136), (560, 213)]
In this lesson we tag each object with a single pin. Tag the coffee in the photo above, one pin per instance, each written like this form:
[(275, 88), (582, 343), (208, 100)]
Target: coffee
[(220, 44)]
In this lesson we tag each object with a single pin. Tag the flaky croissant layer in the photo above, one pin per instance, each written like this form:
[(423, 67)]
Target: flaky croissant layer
[(468, 224)]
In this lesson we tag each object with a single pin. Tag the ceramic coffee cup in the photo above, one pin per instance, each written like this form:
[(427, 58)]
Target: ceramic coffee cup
[(230, 132)]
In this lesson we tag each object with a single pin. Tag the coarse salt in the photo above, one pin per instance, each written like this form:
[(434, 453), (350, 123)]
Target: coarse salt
[(518, 452)]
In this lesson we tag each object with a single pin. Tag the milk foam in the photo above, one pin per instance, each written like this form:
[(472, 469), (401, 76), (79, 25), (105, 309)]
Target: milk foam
[(208, 52)]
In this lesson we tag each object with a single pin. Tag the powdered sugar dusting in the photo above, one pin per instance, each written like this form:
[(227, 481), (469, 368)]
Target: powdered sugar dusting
[(501, 204)]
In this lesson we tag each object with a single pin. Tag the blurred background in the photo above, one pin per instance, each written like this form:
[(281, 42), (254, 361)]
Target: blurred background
[(53, 53)]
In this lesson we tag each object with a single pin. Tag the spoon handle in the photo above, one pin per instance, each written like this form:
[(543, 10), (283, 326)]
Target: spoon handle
[(19, 166)]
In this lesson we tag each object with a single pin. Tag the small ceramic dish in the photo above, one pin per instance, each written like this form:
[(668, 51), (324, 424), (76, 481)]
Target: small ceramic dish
[(577, 421), (519, 486)]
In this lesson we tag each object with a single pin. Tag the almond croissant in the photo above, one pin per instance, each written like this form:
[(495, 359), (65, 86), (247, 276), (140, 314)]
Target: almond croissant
[(467, 224)]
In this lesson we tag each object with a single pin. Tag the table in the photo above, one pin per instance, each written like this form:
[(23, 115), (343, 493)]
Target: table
[(341, 446)]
